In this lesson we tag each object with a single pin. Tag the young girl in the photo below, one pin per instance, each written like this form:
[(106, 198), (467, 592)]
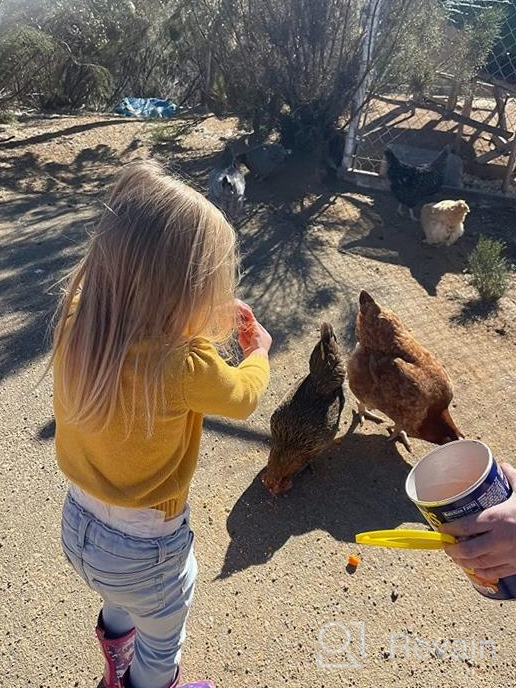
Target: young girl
[(135, 369)]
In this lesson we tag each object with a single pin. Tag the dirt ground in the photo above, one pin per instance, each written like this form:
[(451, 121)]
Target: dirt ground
[(272, 571)]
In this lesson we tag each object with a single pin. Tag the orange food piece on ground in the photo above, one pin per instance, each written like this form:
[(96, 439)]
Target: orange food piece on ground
[(353, 560)]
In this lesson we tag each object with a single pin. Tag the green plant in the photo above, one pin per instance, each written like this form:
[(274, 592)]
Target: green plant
[(163, 133), (489, 269), (472, 43), (417, 51), (7, 117), (294, 66), (90, 53), (436, 38), (28, 59)]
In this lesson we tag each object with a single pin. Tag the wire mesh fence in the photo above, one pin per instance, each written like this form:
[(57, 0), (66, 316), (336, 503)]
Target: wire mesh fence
[(476, 117)]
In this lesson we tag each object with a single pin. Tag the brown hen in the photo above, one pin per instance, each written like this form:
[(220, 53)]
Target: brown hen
[(390, 371), (307, 420)]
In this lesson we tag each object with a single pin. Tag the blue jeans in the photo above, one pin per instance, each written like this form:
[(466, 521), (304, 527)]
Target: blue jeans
[(145, 583)]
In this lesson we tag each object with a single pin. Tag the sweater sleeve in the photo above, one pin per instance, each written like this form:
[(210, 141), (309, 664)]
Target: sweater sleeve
[(212, 386)]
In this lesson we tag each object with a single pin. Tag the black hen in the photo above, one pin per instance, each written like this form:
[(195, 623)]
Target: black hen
[(412, 184), (307, 420), (264, 160)]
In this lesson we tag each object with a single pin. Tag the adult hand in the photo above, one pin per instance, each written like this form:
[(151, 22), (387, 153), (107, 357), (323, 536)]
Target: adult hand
[(252, 336), (490, 547)]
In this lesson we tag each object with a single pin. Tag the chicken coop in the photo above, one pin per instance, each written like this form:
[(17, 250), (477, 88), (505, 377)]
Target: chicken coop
[(449, 79)]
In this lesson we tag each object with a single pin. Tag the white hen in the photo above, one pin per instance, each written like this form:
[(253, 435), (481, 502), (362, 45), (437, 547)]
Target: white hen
[(443, 222), (226, 189)]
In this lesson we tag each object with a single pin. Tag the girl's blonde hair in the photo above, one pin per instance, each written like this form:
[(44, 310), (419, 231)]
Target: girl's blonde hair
[(160, 269)]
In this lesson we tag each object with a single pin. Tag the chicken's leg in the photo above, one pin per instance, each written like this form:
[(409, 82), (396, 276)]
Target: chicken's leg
[(397, 433), (399, 209), (364, 413), (412, 216)]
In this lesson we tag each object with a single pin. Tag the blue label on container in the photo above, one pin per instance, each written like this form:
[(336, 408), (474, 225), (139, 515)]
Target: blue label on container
[(493, 490)]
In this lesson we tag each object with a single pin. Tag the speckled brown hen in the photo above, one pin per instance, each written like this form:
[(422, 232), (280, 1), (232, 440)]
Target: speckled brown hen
[(390, 371), (307, 420)]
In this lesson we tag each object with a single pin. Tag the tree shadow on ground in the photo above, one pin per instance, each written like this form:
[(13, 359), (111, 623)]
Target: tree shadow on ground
[(86, 176), (30, 265), (358, 486), (168, 147), (226, 427), (60, 133), (286, 275), (287, 237), (280, 211)]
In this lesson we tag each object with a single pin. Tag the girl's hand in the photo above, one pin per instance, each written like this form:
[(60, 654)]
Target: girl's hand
[(490, 544), (252, 337)]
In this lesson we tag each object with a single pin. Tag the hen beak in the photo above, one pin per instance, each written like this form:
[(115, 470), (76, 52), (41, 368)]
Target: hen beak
[(277, 485)]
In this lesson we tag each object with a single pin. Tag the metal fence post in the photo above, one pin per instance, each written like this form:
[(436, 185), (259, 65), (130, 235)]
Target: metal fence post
[(364, 79)]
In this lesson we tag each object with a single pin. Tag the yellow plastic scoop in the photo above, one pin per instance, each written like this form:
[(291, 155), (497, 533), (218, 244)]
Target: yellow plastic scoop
[(404, 539)]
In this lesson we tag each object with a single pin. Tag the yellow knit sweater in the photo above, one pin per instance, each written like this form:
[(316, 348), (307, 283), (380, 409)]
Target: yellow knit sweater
[(156, 471)]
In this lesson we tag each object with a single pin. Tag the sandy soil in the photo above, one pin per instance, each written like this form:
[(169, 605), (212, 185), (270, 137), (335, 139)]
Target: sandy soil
[(272, 571)]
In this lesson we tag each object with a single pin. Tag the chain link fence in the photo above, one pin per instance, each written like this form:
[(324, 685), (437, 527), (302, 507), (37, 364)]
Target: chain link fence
[(477, 118)]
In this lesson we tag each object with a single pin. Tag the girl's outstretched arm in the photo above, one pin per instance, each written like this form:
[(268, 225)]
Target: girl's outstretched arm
[(212, 386)]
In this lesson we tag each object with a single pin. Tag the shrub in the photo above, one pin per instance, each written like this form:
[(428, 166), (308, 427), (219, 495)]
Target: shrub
[(27, 64), (7, 117), (162, 133), (288, 65), (295, 66), (489, 269), (89, 53)]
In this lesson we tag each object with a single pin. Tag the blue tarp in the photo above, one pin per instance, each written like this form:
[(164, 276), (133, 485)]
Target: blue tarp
[(146, 107)]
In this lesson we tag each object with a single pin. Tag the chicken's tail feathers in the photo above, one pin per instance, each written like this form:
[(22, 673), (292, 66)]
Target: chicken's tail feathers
[(443, 155), (367, 302), (390, 156), (327, 333), (328, 344), (455, 433), (326, 364)]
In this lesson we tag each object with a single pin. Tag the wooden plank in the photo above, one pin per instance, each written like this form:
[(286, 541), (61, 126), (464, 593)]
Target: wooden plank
[(476, 135), (383, 120), (501, 102), (371, 180), (366, 180), (492, 155), (461, 119), (466, 112), (510, 168), (511, 88), (451, 103)]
